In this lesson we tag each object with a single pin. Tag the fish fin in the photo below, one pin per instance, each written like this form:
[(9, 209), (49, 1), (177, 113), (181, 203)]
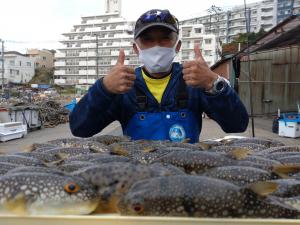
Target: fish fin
[(263, 188), (186, 140), (62, 156), (29, 148), (119, 150), (149, 149), (204, 145), (239, 153), (284, 170), (17, 205)]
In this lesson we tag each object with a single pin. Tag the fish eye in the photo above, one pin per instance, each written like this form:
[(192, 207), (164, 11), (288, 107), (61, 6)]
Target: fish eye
[(71, 187), (137, 207)]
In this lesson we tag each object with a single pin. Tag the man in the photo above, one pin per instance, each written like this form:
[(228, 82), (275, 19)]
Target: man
[(160, 100)]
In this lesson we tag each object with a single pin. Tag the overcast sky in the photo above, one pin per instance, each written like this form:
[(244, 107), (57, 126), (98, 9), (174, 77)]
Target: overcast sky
[(40, 23)]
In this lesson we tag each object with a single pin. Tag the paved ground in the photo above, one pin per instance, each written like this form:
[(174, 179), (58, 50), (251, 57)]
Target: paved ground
[(263, 129)]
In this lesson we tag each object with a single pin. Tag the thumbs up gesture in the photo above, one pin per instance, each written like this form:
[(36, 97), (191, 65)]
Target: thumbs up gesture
[(121, 78), (197, 73)]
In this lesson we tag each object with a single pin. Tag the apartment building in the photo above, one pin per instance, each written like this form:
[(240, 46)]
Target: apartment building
[(43, 58), (286, 8), (18, 68), (227, 24), (195, 34), (92, 47)]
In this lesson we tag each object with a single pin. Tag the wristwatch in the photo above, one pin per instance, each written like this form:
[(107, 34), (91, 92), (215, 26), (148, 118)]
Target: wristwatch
[(218, 86)]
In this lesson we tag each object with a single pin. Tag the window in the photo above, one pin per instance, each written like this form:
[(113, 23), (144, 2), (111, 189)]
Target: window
[(185, 44), (186, 33), (28, 63), (20, 63), (12, 62), (199, 42), (198, 30), (44, 58), (207, 52), (207, 41)]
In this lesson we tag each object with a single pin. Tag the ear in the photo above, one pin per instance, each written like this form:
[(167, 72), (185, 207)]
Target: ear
[(178, 46), (135, 49)]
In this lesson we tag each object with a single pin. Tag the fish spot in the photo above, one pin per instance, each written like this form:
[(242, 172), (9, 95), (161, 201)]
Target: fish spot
[(43, 196), (23, 187), (27, 192), (6, 190), (34, 189)]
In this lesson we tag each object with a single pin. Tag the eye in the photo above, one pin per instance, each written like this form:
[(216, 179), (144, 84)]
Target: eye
[(137, 207), (71, 187)]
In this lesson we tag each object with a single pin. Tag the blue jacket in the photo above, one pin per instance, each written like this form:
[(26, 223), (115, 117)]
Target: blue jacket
[(98, 108)]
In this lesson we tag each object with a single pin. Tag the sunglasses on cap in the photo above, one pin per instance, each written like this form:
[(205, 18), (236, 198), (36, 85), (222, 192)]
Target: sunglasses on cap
[(156, 17)]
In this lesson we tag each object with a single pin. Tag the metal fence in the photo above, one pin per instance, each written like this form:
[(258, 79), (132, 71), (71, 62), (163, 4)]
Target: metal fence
[(275, 80)]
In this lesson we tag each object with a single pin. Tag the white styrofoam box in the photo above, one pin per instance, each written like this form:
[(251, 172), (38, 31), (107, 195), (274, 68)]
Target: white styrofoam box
[(12, 130), (289, 129)]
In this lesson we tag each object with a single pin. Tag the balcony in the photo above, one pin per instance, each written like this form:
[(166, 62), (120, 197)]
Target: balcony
[(59, 81), (59, 63), (91, 63), (86, 81), (82, 63), (60, 55), (59, 72)]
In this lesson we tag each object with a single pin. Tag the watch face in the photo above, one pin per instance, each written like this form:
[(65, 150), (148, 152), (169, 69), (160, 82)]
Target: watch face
[(220, 85)]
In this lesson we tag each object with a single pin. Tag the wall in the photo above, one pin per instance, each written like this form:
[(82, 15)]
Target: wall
[(275, 76)]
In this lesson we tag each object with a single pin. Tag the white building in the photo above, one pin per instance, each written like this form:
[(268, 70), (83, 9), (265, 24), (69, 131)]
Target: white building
[(92, 47), (195, 34), (18, 68), (78, 63), (227, 24)]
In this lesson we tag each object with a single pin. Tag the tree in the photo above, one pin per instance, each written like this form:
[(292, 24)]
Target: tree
[(242, 37), (42, 76)]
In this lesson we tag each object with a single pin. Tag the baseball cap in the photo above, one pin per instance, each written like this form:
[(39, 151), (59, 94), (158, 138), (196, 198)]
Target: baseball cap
[(156, 17)]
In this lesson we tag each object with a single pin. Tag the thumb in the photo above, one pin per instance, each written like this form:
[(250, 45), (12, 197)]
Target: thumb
[(197, 51), (121, 57)]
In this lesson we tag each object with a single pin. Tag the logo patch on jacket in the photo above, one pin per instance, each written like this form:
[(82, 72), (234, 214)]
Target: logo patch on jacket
[(177, 133)]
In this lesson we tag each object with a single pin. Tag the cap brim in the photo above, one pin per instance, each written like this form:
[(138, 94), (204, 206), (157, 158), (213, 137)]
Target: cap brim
[(172, 28)]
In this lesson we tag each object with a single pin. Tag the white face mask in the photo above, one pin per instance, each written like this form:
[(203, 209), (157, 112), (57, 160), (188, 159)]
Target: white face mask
[(157, 59)]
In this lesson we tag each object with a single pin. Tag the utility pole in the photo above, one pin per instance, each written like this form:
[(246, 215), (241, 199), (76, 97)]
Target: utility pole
[(247, 12), (97, 57), (2, 60), (215, 10)]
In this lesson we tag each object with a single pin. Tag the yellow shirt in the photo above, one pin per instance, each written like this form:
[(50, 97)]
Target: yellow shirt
[(156, 86)]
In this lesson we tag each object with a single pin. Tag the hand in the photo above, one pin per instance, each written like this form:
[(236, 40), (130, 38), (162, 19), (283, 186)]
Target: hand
[(197, 73), (121, 78)]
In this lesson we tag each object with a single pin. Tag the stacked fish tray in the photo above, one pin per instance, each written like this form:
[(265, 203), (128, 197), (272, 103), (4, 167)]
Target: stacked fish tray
[(113, 180)]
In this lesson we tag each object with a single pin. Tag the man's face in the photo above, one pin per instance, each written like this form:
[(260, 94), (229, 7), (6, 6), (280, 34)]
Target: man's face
[(156, 36)]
